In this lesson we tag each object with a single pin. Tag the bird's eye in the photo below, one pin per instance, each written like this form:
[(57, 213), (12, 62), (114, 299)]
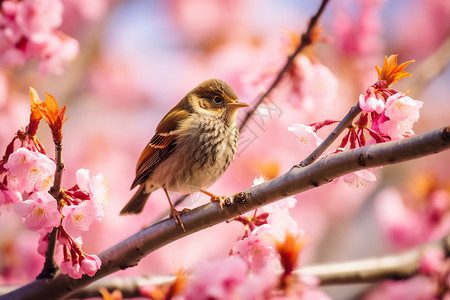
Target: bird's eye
[(217, 100)]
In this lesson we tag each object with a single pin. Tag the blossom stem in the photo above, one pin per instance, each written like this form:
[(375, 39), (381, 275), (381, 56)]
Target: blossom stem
[(344, 124), (50, 266), (305, 41)]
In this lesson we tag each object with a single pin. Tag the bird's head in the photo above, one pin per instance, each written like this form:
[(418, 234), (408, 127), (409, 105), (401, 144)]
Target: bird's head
[(215, 97)]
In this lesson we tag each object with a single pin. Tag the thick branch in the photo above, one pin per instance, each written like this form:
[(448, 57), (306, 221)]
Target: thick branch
[(130, 251), (397, 266)]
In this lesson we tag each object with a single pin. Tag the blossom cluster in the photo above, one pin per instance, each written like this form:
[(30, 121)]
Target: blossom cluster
[(27, 178), (386, 115), (29, 30), (261, 264)]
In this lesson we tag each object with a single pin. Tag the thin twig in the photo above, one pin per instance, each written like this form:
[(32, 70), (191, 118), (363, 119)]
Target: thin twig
[(50, 266), (305, 41), (344, 124), (130, 251)]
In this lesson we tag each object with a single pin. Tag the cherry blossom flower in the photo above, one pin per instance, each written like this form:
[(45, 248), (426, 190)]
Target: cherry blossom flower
[(72, 269), (402, 112), (56, 53), (359, 178), (371, 103), (78, 218), (8, 196), (97, 187), (306, 135), (217, 279), (39, 211), (38, 18), (418, 287), (32, 170), (255, 249), (90, 264), (29, 30)]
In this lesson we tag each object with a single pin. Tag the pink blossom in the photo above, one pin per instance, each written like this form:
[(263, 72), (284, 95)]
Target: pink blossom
[(39, 211), (371, 103), (56, 52), (359, 178), (306, 135), (8, 196), (38, 18), (97, 188), (78, 218), (90, 264), (416, 288), (33, 171), (402, 112), (260, 284), (400, 107), (255, 249), (280, 223), (217, 279), (402, 226), (432, 262), (314, 85), (72, 269)]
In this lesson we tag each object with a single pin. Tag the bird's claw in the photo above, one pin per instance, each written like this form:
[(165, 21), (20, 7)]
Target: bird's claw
[(175, 214), (220, 199)]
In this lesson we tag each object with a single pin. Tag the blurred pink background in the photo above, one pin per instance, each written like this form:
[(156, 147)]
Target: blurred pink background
[(138, 58)]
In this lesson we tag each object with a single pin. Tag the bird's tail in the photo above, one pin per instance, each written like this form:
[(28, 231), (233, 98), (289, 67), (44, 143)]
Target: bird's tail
[(137, 202)]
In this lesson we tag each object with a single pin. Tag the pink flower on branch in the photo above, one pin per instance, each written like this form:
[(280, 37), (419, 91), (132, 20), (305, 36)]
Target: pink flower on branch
[(29, 29), (218, 279), (39, 211), (359, 178), (32, 171), (371, 102), (306, 135), (78, 218), (75, 261)]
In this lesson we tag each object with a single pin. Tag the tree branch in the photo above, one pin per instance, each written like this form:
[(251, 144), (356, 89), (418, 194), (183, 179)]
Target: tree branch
[(50, 266), (130, 251), (344, 124), (397, 266), (305, 41)]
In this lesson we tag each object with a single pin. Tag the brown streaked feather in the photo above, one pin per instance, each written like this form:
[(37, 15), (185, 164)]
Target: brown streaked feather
[(161, 145)]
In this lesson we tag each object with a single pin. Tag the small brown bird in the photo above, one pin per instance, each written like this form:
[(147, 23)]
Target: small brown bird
[(193, 145)]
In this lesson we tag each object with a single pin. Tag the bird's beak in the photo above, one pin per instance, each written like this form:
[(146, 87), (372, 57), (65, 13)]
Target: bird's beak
[(237, 104)]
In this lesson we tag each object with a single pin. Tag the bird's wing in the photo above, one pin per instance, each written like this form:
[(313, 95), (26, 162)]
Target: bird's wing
[(160, 146)]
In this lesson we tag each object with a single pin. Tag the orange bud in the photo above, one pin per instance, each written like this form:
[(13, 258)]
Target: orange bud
[(391, 73)]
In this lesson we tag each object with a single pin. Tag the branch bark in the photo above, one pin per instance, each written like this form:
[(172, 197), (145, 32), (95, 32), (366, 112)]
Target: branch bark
[(397, 266), (130, 251)]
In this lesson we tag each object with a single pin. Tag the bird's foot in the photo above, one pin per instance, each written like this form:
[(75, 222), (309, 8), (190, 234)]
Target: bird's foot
[(175, 214), (215, 198)]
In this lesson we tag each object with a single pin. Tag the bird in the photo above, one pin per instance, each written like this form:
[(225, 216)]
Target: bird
[(193, 145)]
